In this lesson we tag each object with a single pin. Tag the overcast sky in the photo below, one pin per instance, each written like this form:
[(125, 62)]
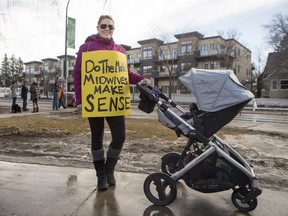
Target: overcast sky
[(35, 29)]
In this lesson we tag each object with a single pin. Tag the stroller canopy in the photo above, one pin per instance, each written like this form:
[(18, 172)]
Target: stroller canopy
[(215, 89)]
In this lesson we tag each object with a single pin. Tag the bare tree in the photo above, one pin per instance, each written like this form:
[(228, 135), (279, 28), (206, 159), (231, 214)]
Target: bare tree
[(277, 29)]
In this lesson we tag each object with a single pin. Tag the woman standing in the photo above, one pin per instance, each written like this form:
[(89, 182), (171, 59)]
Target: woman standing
[(35, 94), (14, 88), (104, 168), (24, 93)]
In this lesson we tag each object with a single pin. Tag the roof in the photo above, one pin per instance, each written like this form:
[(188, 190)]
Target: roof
[(281, 71), (274, 61)]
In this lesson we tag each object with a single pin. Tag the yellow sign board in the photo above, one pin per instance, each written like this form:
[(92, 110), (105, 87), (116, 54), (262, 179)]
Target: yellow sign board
[(105, 84)]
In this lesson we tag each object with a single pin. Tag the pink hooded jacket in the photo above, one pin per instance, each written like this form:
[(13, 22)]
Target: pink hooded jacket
[(92, 43)]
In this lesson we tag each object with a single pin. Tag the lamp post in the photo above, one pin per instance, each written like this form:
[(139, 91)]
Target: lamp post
[(65, 56), (251, 79)]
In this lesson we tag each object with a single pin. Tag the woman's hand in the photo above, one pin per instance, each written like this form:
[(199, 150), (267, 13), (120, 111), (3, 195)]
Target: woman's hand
[(145, 81)]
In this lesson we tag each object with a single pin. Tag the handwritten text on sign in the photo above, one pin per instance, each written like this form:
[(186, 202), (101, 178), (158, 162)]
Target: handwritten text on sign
[(105, 84)]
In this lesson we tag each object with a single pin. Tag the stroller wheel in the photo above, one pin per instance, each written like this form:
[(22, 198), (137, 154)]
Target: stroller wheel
[(238, 196), (160, 189), (171, 163)]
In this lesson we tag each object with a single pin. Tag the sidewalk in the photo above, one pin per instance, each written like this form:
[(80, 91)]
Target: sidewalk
[(34, 190), (37, 190)]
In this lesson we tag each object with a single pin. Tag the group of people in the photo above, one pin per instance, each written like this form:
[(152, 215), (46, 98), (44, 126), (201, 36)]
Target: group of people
[(58, 95), (34, 92)]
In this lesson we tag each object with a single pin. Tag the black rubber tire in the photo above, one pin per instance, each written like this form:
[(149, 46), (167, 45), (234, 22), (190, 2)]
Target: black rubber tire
[(160, 189), (157, 210), (237, 200)]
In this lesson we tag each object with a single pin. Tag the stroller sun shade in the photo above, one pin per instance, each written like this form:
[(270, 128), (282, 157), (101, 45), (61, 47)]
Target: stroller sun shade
[(215, 89)]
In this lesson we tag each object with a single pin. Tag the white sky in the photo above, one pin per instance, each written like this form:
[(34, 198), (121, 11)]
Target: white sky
[(35, 29)]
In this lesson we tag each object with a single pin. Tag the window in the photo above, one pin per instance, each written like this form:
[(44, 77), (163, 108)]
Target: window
[(174, 53), (222, 64), (274, 84), (174, 67), (204, 47), (138, 55), (147, 53), (186, 47), (213, 46), (284, 84), (46, 66), (213, 65), (147, 69), (186, 66), (162, 68)]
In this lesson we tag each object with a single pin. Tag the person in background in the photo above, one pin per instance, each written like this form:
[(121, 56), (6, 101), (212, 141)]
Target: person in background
[(61, 96), (104, 168), (35, 94), (14, 88), (55, 89), (24, 93)]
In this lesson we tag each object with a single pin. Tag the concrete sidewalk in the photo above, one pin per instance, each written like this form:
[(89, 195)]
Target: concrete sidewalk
[(34, 190)]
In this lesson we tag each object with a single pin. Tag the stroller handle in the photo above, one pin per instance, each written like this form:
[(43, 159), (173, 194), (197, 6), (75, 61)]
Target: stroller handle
[(150, 92), (153, 93)]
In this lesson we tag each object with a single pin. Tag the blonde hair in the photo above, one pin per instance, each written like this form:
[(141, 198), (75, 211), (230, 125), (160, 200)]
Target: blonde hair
[(34, 80), (102, 17)]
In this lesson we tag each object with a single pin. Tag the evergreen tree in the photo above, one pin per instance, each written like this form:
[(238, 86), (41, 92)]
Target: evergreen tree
[(12, 69)]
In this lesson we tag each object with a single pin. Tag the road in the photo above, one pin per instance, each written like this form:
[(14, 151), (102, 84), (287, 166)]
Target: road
[(272, 115)]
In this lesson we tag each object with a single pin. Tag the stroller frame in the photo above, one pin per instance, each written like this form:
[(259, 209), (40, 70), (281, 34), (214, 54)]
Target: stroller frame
[(245, 194)]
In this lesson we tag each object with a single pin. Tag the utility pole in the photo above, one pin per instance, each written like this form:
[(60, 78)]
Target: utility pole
[(65, 57)]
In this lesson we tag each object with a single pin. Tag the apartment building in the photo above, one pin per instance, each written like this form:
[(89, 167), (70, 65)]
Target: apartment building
[(48, 69), (165, 62), (162, 62)]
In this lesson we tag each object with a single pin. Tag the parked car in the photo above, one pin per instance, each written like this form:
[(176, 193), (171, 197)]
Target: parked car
[(71, 99)]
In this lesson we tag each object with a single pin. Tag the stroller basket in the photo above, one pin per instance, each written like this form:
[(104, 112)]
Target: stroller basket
[(213, 174)]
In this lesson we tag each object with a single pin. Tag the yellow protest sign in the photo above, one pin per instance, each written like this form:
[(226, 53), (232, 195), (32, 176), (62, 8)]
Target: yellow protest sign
[(105, 84)]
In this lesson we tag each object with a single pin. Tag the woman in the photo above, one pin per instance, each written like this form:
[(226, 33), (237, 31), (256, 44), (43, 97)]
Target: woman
[(104, 169), (61, 96), (24, 93), (14, 88), (35, 94)]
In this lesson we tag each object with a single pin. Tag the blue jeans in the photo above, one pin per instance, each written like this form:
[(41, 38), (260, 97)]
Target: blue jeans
[(13, 103), (55, 101)]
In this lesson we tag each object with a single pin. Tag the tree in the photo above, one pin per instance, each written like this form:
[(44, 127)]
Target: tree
[(277, 30), (12, 69)]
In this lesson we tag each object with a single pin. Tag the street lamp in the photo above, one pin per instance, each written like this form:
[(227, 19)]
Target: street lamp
[(251, 79)]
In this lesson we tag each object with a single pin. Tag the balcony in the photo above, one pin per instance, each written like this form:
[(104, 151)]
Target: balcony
[(133, 61), (213, 53), (167, 57)]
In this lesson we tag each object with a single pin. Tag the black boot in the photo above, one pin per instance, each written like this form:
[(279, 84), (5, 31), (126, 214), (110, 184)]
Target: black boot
[(102, 184), (112, 159), (110, 167), (34, 110), (37, 109)]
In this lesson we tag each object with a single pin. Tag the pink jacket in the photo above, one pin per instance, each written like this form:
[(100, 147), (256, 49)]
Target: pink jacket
[(92, 43)]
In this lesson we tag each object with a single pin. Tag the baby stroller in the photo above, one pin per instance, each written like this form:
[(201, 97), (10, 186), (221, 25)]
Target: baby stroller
[(207, 164)]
